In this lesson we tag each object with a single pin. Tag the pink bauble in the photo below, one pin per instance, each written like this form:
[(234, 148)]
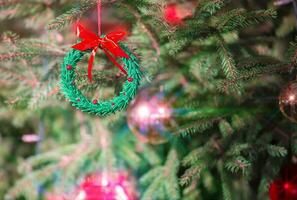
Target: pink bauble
[(107, 186), (150, 117)]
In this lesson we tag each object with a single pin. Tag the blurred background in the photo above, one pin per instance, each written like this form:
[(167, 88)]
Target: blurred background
[(211, 119)]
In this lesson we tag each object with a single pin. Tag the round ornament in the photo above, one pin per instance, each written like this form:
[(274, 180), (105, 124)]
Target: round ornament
[(285, 187), (107, 186), (288, 101), (175, 14), (150, 117), (109, 44)]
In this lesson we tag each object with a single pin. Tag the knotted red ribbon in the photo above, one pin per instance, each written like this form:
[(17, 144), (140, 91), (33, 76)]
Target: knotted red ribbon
[(109, 44)]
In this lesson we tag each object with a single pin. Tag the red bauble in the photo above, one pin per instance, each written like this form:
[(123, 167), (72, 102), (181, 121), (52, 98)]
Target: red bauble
[(175, 14), (285, 188), (107, 186)]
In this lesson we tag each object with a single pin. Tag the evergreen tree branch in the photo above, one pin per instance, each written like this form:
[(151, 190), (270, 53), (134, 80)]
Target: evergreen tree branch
[(228, 63), (71, 15), (239, 18)]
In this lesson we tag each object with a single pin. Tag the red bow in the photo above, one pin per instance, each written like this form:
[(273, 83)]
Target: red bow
[(109, 44)]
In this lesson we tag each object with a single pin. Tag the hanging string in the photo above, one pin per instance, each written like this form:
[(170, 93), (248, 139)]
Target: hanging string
[(99, 16)]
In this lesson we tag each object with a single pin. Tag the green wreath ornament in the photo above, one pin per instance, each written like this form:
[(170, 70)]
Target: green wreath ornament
[(102, 108)]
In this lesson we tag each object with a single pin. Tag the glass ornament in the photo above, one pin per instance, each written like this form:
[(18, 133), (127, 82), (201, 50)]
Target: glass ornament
[(107, 186), (175, 14), (150, 117), (288, 101)]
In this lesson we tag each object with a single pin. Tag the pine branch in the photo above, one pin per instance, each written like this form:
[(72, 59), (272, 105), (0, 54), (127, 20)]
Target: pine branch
[(239, 18), (151, 175), (147, 29), (227, 60), (197, 161), (151, 155), (71, 15), (191, 174), (192, 128), (237, 149), (225, 188), (11, 76), (171, 169), (45, 172), (238, 164), (10, 37), (52, 156), (162, 180), (27, 49), (16, 8), (276, 151), (130, 156), (225, 128), (153, 190), (16, 56), (207, 8), (26, 187), (259, 71)]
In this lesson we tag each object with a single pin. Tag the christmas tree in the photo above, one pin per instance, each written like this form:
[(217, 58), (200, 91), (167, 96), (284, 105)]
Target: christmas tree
[(148, 99)]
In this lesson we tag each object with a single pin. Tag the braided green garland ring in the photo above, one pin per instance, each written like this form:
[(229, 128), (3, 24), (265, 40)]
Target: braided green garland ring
[(104, 108)]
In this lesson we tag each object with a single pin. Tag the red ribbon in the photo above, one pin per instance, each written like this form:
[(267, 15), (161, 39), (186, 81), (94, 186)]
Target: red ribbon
[(109, 44)]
